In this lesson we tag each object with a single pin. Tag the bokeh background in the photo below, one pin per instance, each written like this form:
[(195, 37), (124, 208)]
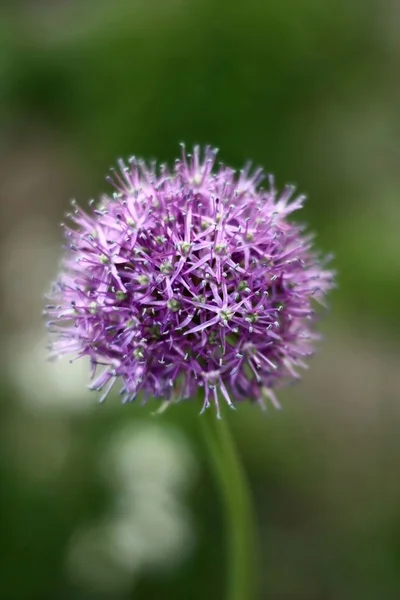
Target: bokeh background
[(113, 504)]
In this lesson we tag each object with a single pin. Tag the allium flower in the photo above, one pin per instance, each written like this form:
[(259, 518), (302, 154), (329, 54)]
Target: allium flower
[(188, 279)]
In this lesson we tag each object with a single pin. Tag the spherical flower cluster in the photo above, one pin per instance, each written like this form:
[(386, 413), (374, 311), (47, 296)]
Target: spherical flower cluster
[(189, 279)]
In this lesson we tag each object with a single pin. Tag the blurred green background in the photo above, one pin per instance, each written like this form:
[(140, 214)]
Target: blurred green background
[(112, 504)]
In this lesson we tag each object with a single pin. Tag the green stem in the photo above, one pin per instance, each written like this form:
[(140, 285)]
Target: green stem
[(237, 507)]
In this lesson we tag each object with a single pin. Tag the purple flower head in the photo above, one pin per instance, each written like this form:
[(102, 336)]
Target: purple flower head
[(186, 279)]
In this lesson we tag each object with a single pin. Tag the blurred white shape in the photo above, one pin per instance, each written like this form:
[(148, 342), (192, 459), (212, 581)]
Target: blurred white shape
[(150, 453), (28, 263), (148, 526), (90, 562), (151, 535), (51, 386)]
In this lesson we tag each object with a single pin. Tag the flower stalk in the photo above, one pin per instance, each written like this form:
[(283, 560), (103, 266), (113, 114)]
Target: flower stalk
[(237, 506)]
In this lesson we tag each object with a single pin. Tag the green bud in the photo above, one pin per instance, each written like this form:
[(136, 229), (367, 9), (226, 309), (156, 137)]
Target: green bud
[(197, 179), (143, 280), (185, 247), (93, 307), (252, 317), (154, 331), (226, 315), (138, 353), (166, 267), (174, 304)]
